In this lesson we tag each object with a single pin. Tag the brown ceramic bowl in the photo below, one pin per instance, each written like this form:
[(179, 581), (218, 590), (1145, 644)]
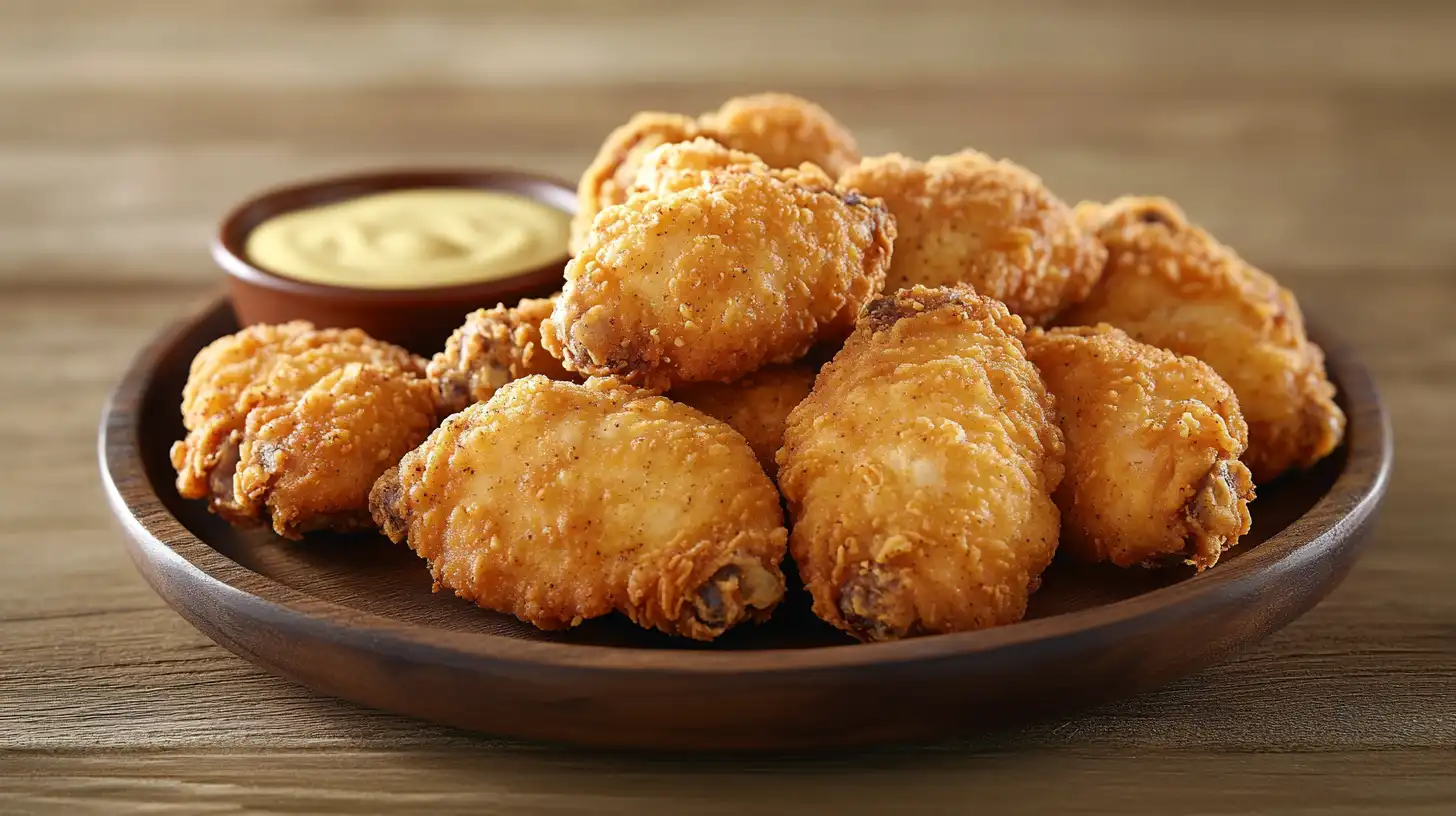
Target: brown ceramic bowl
[(418, 319)]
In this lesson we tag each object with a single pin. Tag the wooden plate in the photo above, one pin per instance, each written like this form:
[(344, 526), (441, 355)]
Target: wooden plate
[(353, 616)]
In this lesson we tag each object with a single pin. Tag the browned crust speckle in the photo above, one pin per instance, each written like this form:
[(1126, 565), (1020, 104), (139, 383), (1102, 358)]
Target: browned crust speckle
[(884, 312)]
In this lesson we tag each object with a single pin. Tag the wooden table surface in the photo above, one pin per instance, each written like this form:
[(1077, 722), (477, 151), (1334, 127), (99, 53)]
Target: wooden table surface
[(1317, 137)]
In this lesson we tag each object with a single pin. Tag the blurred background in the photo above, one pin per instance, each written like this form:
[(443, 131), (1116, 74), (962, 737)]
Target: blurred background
[(1315, 136), (1309, 134)]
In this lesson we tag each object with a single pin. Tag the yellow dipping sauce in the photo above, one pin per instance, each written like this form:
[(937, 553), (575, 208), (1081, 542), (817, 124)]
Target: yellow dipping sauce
[(412, 239)]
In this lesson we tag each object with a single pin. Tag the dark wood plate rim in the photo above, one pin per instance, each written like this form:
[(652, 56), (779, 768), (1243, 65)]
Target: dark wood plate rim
[(157, 535)]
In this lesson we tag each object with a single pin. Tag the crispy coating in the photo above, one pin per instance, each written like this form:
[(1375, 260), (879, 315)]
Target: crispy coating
[(919, 472), (784, 130), (1153, 476), (1170, 284), (608, 179), (297, 423), (966, 218), (756, 406), (715, 280), (492, 348), (702, 162), (557, 502)]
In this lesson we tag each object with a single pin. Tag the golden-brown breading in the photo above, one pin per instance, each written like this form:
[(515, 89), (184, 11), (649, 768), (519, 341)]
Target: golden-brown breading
[(1153, 475), (756, 406), (493, 347), (702, 162), (608, 179), (1170, 284), (784, 130), (557, 502), (714, 281), (297, 423), (919, 472), (966, 218)]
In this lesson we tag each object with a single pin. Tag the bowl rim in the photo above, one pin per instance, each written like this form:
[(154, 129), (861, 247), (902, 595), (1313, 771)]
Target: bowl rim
[(228, 245), (158, 536)]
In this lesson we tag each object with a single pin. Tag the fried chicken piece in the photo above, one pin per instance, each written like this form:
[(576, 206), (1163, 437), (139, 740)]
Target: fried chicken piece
[(296, 423), (492, 348), (966, 218), (712, 281), (702, 162), (608, 179), (784, 130), (919, 472), (1153, 476), (1170, 284), (557, 502), (756, 406)]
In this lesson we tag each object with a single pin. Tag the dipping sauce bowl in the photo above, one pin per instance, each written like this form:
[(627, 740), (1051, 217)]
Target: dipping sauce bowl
[(418, 318)]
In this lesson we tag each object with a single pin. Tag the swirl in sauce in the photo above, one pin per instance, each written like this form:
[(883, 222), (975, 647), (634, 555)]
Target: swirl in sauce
[(412, 239)]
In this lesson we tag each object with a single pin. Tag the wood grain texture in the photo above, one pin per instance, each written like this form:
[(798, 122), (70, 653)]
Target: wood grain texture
[(1313, 136)]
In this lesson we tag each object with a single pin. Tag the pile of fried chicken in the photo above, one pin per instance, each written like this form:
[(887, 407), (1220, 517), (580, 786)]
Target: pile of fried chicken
[(944, 373)]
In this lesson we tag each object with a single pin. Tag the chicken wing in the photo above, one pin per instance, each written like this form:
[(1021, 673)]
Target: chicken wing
[(608, 179), (1170, 284), (296, 423), (919, 472), (557, 502), (701, 162), (715, 280), (966, 218), (784, 131), (756, 406), (493, 347), (1153, 475)]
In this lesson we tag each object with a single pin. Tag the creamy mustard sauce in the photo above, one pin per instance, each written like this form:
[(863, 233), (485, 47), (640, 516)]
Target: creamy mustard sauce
[(411, 239)]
